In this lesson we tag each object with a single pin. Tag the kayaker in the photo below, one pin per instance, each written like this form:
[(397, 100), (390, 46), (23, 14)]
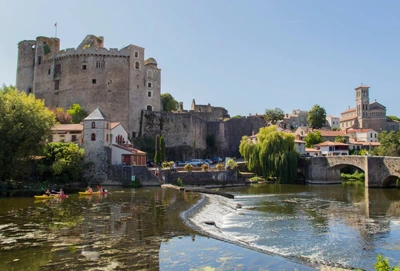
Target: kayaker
[(89, 190), (100, 189), (47, 193), (61, 193)]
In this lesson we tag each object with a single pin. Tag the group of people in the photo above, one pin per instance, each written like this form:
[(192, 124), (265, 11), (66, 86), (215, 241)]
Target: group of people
[(100, 189), (54, 193)]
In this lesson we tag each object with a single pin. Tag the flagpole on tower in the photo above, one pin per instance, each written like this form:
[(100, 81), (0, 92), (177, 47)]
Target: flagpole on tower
[(55, 25)]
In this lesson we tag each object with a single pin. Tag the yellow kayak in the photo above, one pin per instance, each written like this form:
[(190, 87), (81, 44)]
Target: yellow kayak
[(92, 193), (45, 197)]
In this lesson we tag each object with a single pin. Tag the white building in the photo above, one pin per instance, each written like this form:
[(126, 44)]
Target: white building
[(334, 122), (329, 148)]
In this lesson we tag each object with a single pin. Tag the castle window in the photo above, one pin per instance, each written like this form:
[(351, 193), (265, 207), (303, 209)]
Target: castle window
[(107, 138), (58, 69), (56, 84), (107, 125), (29, 90), (40, 60), (148, 93), (93, 81), (133, 134), (149, 84), (136, 54), (83, 66), (93, 136), (93, 125), (149, 108), (48, 71), (137, 65)]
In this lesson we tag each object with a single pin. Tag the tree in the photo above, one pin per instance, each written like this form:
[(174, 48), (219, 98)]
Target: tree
[(169, 103), (340, 139), (390, 144), (316, 117), (274, 154), (62, 117), (25, 123), (62, 162), (313, 138), (162, 149), (273, 115), (77, 113), (157, 156)]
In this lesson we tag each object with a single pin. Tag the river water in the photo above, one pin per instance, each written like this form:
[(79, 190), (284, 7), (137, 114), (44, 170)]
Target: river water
[(266, 227)]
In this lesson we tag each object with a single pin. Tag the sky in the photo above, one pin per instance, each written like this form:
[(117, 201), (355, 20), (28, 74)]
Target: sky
[(244, 55)]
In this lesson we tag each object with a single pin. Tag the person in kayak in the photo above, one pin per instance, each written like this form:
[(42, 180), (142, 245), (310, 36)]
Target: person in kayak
[(61, 193), (47, 193), (89, 190)]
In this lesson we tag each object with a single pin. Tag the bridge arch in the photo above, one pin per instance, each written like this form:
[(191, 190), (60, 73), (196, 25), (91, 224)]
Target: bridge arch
[(390, 181)]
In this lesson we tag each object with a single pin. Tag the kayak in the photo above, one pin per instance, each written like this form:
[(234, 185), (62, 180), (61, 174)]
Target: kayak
[(92, 193), (51, 197)]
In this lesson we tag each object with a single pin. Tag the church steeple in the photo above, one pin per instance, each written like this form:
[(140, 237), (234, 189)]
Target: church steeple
[(362, 103)]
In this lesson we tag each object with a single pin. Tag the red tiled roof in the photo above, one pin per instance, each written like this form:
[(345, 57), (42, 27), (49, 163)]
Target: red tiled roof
[(330, 143), (332, 133), (312, 150), (132, 150), (352, 130), (361, 87), (68, 127), (349, 110)]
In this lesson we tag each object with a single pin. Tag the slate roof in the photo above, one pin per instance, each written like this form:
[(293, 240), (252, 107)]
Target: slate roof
[(96, 115)]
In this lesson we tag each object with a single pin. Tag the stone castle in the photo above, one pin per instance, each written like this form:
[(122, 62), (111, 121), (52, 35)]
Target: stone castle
[(121, 82), (127, 88)]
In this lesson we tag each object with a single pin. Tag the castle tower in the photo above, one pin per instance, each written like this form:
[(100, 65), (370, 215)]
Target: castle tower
[(96, 142), (25, 66), (362, 105)]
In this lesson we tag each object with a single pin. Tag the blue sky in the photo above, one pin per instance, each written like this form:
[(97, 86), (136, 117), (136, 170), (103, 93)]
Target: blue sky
[(246, 56)]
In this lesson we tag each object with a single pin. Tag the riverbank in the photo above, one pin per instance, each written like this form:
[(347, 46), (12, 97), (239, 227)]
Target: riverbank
[(208, 215)]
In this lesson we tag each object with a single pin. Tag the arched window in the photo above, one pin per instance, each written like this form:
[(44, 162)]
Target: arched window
[(137, 65), (107, 138), (149, 108), (93, 125), (93, 137)]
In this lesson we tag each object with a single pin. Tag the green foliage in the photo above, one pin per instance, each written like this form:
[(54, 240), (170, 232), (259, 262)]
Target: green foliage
[(335, 129), (157, 156), (340, 139), (25, 123), (274, 154), (46, 49), (62, 162), (77, 113), (62, 117), (179, 182), (165, 164), (390, 144), (316, 117), (394, 118), (356, 176), (169, 103), (162, 149), (236, 117), (145, 143), (136, 183), (273, 115), (231, 164), (384, 265), (313, 138)]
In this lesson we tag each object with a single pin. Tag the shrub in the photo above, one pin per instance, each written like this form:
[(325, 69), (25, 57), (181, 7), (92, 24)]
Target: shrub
[(188, 167), (136, 183), (165, 164), (204, 167), (231, 164), (383, 265), (179, 182), (220, 166)]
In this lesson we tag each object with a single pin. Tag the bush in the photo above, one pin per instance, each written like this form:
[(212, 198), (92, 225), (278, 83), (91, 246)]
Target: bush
[(231, 164), (136, 183), (179, 182), (165, 164), (220, 166), (204, 167), (188, 167), (383, 265)]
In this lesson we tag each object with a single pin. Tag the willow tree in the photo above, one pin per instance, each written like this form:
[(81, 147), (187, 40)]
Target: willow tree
[(273, 155)]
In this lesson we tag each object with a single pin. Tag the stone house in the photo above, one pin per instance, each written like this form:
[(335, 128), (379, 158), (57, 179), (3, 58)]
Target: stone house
[(67, 133), (329, 148), (333, 121)]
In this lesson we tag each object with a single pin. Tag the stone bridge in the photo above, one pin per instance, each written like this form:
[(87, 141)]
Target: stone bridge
[(380, 171)]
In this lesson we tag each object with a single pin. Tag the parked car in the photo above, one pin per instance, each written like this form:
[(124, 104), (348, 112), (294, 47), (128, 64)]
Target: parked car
[(196, 162), (180, 163), (216, 159), (150, 163), (208, 161)]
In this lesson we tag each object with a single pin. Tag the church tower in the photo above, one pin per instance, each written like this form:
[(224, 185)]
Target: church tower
[(362, 105)]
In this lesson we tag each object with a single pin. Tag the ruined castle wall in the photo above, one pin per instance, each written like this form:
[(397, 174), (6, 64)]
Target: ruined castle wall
[(229, 133), (25, 66), (178, 129)]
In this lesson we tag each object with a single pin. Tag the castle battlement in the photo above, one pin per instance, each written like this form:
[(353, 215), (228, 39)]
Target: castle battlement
[(72, 52)]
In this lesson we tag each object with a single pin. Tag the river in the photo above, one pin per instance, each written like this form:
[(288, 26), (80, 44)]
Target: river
[(266, 227)]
